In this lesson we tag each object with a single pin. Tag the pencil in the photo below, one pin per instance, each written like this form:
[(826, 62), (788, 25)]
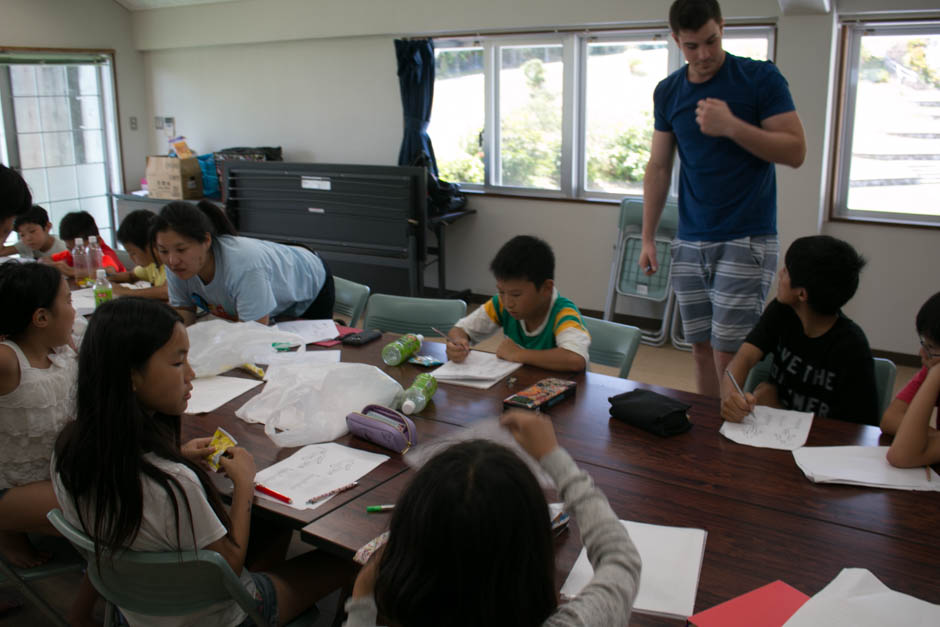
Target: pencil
[(444, 335), (348, 486)]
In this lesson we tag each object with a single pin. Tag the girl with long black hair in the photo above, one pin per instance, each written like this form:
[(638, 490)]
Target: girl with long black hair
[(123, 477)]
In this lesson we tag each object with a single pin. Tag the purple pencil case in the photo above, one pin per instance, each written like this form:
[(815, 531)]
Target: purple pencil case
[(383, 426)]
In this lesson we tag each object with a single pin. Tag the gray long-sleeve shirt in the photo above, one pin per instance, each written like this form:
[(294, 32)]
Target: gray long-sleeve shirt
[(608, 599)]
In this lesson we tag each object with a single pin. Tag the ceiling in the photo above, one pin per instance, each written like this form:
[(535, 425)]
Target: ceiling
[(144, 5)]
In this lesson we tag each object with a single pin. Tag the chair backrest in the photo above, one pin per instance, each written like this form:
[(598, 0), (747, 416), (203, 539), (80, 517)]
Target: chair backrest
[(631, 280), (406, 314), (885, 373), (159, 584), (612, 343), (351, 298)]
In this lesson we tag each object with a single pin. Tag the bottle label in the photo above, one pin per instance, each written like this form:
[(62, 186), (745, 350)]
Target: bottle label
[(427, 383), (410, 344), (102, 296)]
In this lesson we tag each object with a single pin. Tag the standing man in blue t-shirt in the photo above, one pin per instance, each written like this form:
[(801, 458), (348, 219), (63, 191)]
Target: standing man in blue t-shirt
[(731, 119)]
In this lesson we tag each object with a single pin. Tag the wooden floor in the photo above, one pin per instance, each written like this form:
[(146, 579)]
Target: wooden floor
[(665, 366)]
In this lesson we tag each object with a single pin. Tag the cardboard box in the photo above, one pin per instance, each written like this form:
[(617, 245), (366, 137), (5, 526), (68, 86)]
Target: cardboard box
[(172, 178)]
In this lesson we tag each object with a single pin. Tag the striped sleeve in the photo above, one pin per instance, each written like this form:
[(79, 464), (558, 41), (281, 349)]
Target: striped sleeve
[(570, 332), (482, 322)]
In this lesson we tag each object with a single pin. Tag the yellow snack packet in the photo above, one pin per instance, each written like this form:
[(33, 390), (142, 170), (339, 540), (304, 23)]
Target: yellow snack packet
[(222, 440), (253, 369)]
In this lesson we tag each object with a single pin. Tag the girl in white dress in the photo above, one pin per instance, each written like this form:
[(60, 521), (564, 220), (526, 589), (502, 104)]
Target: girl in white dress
[(37, 393)]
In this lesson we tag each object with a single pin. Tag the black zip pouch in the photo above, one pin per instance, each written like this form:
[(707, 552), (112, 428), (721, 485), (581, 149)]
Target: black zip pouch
[(651, 411)]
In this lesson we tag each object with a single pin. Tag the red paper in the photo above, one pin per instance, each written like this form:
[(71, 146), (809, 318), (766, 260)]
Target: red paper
[(342, 331), (768, 606)]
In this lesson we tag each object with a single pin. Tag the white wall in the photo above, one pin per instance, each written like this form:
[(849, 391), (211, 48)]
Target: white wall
[(319, 79), (97, 24)]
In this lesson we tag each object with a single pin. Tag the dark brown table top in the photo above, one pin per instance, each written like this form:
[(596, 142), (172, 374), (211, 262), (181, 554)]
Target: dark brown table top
[(765, 520)]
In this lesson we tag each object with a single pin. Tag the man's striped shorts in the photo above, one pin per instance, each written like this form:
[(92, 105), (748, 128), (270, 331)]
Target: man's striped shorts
[(721, 287)]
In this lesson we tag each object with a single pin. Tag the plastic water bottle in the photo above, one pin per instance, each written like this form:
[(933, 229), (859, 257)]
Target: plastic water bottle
[(401, 349), (80, 262), (418, 395), (95, 257), (103, 291)]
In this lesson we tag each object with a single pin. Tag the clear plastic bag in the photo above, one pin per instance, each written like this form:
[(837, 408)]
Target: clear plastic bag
[(303, 404), (219, 345)]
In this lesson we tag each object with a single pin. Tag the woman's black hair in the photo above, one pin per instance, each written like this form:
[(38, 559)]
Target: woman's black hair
[(99, 457), (470, 544), (135, 228), (193, 222), (24, 288), (15, 198), (928, 319)]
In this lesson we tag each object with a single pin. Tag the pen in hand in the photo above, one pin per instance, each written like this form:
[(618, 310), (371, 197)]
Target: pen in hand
[(449, 339), (737, 387)]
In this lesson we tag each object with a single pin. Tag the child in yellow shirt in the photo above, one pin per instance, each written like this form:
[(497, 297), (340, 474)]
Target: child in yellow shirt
[(134, 235)]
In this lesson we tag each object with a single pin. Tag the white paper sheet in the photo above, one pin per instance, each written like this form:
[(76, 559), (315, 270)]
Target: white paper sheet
[(862, 465), (672, 562), (311, 330), (768, 427), (210, 393), (856, 598), (479, 370), (314, 470), (83, 301)]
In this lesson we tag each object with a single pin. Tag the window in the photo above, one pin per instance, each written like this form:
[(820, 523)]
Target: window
[(58, 128), (565, 115), (888, 159)]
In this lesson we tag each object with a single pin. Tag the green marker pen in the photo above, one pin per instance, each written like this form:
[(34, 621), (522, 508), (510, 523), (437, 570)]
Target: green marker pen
[(375, 509)]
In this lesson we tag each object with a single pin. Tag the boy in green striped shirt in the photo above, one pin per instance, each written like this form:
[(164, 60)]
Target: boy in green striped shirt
[(542, 328)]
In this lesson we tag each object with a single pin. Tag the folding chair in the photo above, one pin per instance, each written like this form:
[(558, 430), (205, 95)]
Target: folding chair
[(409, 314), (164, 583), (64, 560), (612, 343), (351, 298), (626, 277)]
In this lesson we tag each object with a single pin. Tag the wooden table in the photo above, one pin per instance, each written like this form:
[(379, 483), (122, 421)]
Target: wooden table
[(764, 519)]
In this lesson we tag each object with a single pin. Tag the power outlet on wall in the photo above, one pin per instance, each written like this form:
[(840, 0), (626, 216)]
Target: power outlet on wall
[(158, 123), (133, 122)]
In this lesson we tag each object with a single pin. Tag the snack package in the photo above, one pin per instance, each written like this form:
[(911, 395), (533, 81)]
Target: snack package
[(542, 395), (425, 360), (222, 440)]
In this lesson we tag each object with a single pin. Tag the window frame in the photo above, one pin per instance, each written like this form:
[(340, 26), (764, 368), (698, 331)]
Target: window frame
[(851, 32), (103, 61), (574, 42)]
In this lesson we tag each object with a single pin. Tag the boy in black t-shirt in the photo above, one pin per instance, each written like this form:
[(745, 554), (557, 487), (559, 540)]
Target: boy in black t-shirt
[(821, 359)]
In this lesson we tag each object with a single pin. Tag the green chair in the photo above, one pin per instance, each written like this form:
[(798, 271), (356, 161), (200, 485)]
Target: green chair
[(165, 583), (407, 314), (351, 298), (612, 343), (64, 560), (626, 277), (885, 373)]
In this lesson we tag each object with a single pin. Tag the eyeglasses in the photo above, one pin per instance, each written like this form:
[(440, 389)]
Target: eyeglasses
[(928, 350)]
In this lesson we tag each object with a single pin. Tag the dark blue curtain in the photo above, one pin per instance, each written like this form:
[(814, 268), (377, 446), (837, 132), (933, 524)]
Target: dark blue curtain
[(416, 82)]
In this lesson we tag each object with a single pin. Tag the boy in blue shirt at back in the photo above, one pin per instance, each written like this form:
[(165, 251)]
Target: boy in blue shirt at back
[(542, 328)]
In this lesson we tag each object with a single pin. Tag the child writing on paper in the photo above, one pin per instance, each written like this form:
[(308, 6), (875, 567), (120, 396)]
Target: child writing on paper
[(82, 224), (36, 241), (122, 476), (470, 542), (916, 443), (134, 235), (37, 387), (821, 359), (542, 328)]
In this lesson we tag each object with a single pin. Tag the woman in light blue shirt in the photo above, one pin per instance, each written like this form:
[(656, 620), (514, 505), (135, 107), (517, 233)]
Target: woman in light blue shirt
[(237, 278)]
